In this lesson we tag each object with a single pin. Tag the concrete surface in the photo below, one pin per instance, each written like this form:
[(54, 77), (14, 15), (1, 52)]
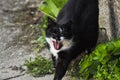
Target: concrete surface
[(14, 45)]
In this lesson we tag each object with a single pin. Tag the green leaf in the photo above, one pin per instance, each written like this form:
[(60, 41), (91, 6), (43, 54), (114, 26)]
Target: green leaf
[(51, 8), (44, 7)]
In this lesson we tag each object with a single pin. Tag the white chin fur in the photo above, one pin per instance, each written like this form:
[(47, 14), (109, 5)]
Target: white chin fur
[(66, 45), (52, 49)]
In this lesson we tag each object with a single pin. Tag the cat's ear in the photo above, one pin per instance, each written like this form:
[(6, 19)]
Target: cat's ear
[(51, 22)]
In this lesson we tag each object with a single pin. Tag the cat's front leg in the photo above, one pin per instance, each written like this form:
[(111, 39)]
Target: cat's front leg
[(54, 61), (61, 68)]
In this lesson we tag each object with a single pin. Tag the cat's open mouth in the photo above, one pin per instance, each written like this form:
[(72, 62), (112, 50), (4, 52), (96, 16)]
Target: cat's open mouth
[(57, 45)]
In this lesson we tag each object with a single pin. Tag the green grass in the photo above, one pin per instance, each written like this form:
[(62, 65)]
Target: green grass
[(39, 66), (102, 64), (40, 41)]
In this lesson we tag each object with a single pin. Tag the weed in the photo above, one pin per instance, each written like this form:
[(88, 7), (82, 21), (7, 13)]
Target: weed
[(39, 66)]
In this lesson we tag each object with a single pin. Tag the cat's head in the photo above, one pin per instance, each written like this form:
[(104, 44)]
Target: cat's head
[(57, 33)]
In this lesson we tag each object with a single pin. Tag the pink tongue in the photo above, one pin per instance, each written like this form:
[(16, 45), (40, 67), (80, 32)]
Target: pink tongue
[(56, 45)]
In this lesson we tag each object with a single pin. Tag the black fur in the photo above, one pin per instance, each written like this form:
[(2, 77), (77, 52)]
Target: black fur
[(79, 21)]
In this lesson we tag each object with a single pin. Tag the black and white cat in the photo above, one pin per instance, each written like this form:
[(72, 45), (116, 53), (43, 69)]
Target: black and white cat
[(74, 31)]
